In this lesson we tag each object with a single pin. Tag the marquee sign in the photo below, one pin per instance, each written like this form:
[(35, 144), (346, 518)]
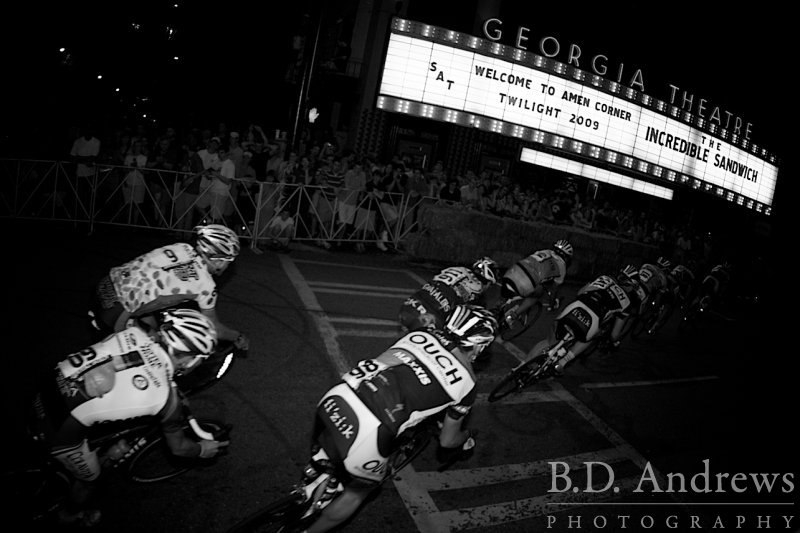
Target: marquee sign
[(445, 75)]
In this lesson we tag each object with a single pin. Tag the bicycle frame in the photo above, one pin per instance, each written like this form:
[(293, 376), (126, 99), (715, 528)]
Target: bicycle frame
[(534, 369)]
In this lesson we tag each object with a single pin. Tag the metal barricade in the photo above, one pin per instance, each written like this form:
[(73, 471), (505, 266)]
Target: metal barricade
[(176, 202)]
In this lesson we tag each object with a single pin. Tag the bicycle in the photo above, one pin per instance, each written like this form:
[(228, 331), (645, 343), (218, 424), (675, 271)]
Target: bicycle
[(39, 488), (695, 315), (298, 509), (533, 370), (519, 324)]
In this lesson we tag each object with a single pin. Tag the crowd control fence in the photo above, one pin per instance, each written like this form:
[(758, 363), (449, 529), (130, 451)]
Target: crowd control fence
[(178, 201)]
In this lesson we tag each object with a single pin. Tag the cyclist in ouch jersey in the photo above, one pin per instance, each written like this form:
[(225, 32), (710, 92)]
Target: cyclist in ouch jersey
[(169, 276), (422, 374)]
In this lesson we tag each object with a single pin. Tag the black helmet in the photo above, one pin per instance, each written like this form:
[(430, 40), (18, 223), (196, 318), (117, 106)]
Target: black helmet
[(471, 326)]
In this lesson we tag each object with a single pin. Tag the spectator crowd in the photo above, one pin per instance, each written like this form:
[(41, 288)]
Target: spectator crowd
[(214, 167)]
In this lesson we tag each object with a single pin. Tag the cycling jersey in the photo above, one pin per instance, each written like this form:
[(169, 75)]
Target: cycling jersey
[(597, 303), (381, 397), (137, 383), (539, 268), (716, 280), (163, 278), (682, 280), (142, 378), (652, 279), (681, 273), (450, 287)]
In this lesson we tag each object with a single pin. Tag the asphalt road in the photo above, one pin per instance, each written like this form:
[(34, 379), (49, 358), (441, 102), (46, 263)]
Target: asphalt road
[(656, 408)]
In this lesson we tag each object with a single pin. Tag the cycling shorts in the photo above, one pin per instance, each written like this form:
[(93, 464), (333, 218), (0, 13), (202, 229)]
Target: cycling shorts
[(352, 435), (580, 319), (520, 280)]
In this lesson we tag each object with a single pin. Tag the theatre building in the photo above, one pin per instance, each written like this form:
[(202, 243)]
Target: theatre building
[(480, 87)]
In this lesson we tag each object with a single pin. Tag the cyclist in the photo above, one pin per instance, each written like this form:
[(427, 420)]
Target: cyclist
[(598, 304), (542, 272), (171, 275), (714, 284), (653, 279), (424, 373), (432, 303), (127, 375), (682, 281)]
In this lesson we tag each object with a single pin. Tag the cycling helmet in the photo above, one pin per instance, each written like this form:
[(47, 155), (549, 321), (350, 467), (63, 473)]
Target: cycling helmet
[(486, 268), (216, 241), (564, 249), (664, 263), (471, 326), (629, 272), (188, 331)]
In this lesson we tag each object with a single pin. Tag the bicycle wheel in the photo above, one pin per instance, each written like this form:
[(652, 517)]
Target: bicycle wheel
[(522, 323), (281, 516), (410, 449), (643, 323), (662, 317), (517, 379), (33, 495), (154, 462)]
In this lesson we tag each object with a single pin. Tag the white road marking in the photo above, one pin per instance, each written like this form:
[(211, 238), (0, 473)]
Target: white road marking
[(375, 333), (522, 509), (355, 286), (399, 297), (513, 349), (324, 326), (414, 487), (611, 384), (478, 477), (523, 397), (364, 321), (349, 266)]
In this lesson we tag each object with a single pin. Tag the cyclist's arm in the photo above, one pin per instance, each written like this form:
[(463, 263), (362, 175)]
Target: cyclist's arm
[(177, 440), (223, 331), (452, 434), (122, 321)]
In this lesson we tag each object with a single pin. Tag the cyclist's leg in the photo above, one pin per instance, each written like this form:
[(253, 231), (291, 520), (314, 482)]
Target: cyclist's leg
[(616, 329), (584, 332), (574, 351), (70, 447), (370, 445), (341, 508)]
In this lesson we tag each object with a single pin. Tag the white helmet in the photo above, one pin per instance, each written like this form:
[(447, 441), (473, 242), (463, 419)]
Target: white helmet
[(188, 331), (216, 241), (471, 326), (486, 268), (563, 248)]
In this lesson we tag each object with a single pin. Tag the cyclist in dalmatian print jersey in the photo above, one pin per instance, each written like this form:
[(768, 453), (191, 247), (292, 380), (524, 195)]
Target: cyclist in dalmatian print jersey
[(166, 277)]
